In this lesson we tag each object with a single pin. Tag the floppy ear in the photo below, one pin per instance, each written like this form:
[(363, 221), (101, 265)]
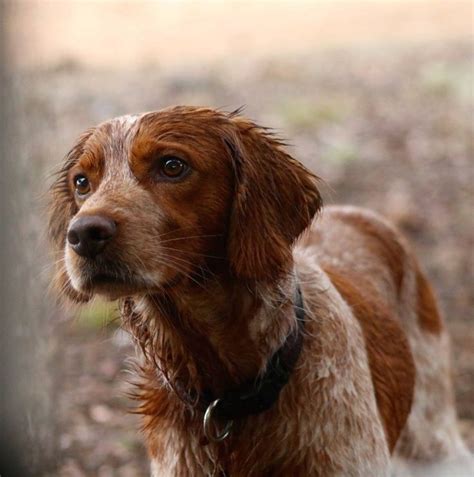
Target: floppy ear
[(61, 209), (275, 200)]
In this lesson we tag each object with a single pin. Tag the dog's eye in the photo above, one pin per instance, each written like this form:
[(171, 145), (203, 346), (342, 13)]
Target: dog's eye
[(82, 185), (173, 167)]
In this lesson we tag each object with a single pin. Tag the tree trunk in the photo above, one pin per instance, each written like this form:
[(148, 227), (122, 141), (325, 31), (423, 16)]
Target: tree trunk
[(26, 425)]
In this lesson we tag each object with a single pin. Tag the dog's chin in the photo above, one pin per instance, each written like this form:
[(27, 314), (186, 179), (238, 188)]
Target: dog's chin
[(112, 286)]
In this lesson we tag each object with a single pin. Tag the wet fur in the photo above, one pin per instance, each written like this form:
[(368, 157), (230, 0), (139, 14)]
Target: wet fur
[(205, 270)]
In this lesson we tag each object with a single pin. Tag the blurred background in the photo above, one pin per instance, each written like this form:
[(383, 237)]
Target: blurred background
[(375, 96)]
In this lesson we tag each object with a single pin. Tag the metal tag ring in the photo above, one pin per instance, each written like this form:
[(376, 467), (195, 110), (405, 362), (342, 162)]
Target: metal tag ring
[(207, 421)]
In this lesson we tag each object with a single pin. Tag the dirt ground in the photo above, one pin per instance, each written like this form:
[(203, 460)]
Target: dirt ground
[(389, 128)]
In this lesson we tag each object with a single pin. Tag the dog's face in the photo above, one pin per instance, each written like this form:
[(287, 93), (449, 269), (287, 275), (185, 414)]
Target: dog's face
[(143, 202)]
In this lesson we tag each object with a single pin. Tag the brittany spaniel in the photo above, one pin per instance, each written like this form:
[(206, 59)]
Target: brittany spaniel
[(276, 340)]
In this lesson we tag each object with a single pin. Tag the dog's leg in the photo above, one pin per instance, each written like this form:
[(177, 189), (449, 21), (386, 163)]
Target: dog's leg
[(431, 433)]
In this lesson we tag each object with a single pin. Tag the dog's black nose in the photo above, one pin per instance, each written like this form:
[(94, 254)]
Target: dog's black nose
[(89, 235)]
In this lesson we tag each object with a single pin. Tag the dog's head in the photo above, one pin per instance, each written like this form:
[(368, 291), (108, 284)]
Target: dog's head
[(144, 201)]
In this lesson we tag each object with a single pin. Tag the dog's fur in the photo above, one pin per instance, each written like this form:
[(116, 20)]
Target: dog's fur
[(205, 269)]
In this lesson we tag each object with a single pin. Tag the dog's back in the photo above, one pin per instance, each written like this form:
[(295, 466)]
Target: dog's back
[(377, 275)]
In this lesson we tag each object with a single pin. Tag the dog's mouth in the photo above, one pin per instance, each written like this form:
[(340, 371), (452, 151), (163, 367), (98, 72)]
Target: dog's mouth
[(112, 285), (114, 278), (109, 279)]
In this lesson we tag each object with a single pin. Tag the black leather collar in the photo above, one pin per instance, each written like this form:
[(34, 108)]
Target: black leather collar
[(258, 395)]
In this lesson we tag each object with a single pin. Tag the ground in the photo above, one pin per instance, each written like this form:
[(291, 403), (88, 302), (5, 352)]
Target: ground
[(387, 128)]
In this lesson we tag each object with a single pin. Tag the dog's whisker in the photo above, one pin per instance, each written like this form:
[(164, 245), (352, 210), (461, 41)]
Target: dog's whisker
[(179, 230), (197, 254), (177, 265), (164, 242)]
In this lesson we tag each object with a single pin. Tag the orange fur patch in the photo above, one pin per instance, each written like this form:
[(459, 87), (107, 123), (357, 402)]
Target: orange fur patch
[(427, 309), (390, 359)]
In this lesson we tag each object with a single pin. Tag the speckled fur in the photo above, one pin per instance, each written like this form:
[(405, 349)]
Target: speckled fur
[(209, 310)]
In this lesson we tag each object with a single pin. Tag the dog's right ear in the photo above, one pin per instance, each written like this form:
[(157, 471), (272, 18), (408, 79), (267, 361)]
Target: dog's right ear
[(61, 209)]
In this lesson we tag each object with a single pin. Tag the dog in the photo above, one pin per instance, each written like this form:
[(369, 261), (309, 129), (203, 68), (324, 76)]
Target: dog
[(276, 338)]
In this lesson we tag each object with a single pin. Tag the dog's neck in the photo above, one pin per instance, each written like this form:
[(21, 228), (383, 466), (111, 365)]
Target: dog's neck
[(215, 334)]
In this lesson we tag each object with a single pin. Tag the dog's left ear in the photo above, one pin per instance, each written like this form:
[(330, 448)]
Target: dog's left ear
[(60, 211), (275, 200)]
